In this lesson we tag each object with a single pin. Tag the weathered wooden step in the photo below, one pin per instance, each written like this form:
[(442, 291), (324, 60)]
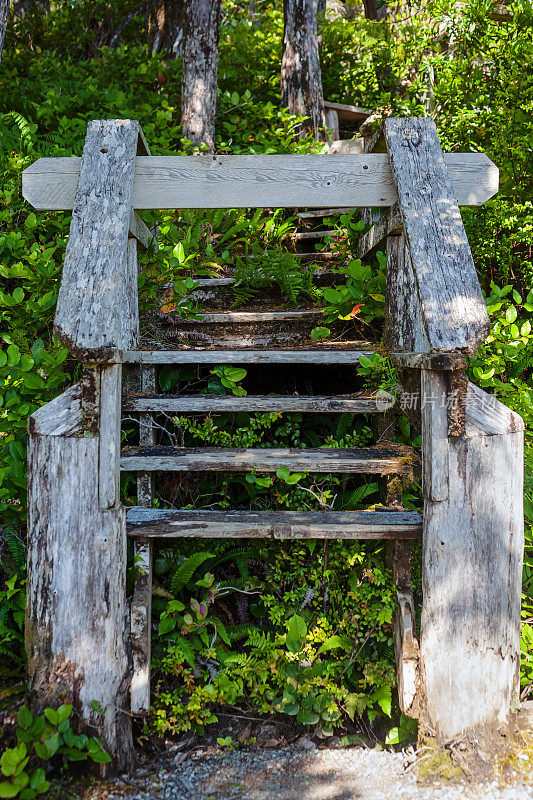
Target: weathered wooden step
[(315, 234), (270, 328), (325, 212), (354, 404), (149, 522), (334, 354), (383, 460)]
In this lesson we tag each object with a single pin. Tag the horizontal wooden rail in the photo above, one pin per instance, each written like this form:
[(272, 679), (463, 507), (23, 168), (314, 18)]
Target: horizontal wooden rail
[(258, 181), (153, 522), (355, 404), (384, 460), (251, 356)]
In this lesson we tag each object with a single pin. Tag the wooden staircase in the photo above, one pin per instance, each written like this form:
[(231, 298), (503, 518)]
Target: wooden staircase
[(461, 671)]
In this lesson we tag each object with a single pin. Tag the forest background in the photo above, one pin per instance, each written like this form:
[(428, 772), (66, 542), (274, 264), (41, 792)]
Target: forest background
[(469, 65)]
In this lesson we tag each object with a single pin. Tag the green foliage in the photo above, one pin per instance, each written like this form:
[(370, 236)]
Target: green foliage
[(273, 267), (12, 607), (43, 740)]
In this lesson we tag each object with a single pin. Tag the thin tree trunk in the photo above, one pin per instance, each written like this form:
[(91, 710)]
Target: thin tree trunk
[(375, 9), (4, 13), (165, 26), (301, 78), (201, 26)]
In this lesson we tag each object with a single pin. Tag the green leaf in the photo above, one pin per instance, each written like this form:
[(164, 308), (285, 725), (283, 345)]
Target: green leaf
[(75, 755), (382, 696), (184, 573), (297, 628), (31, 221), (8, 789), (32, 380), (290, 708), (307, 716), (331, 295), (64, 712), (510, 314), (52, 716), (335, 642), (24, 717), (166, 625), (320, 333), (13, 355)]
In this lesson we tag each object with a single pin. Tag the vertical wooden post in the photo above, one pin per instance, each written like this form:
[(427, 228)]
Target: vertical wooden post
[(472, 562), (141, 605), (76, 609)]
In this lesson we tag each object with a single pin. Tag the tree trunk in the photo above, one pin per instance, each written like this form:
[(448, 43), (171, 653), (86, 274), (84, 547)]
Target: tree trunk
[(22, 7), (375, 9), (4, 13), (301, 79), (201, 26), (165, 30)]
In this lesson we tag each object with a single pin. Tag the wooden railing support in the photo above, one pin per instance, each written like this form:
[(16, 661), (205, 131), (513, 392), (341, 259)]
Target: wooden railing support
[(76, 604), (472, 562)]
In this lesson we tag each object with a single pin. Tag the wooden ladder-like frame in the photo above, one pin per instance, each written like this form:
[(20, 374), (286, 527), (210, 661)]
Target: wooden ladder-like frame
[(462, 670)]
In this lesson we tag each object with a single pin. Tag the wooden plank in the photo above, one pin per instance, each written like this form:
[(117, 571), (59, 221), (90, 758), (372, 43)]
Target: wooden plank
[(141, 232), (472, 577), (258, 181), (274, 524), (131, 297), (76, 606), (314, 234), (141, 625), (486, 416), (351, 460), (435, 442), (250, 317), (202, 356), (142, 379), (335, 355), (109, 436), (169, 404), (407, 653), (404, 321), (91, 316), (344, 147), (452, 305), (432, 361), (332, 124), (348, 112), (372, 240), (62, 416)]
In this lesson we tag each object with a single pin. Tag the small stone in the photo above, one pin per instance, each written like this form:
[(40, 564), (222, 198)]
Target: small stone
[(304, 743)]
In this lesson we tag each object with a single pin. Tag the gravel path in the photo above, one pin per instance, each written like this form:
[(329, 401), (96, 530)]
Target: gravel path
[(296, 772)]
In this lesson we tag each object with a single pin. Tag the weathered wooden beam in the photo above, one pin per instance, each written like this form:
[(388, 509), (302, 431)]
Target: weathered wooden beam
[(350, 460), (62, 416), (109, 436), (435, 443), (142, 379), (389, 224), (76, 603), (345, 147), (156, 522), (407, 653), (441, 362), (471, 574), (348, 112), (92, 316), (203, 403), (258, 181), (450, 296), (138, 230), (202, 356), (405, 328)]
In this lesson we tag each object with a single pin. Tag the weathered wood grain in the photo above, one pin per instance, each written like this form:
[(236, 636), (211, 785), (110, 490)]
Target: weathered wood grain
[(332, 124), (350, 460), (452, 305), (247, 317), (355, 404), (486, 415), (344, 147), (471, 577), (142, 379), (407, 653), (404, 321), (76, 607), (274, 524), (201, 356), (141, 232), (92, 315), (348, 112), (435, 442), (258, 181), (372, 240), (141, 625), (109, 436), (62, 416)]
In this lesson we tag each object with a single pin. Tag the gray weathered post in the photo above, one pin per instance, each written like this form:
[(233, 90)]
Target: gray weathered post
[(77, 623)]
